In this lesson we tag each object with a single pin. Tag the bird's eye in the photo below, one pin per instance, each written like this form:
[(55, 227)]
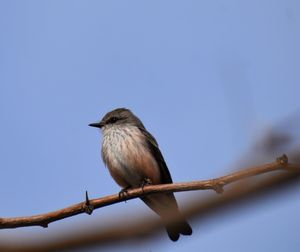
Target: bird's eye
[(113, 119)]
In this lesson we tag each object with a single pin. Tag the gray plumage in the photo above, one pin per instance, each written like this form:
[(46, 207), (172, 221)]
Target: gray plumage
[(132, 155)]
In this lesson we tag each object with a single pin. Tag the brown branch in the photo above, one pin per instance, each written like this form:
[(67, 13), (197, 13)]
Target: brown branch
[(214, 184), (143, 227)]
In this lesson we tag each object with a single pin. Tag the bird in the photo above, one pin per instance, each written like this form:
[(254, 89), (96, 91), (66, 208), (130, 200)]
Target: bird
[(134, 160)]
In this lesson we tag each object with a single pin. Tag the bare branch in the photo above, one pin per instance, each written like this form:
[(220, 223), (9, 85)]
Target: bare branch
[(84, 207), (139, 228)]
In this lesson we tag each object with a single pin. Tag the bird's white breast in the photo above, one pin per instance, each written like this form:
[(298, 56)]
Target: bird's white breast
[(125, 152)]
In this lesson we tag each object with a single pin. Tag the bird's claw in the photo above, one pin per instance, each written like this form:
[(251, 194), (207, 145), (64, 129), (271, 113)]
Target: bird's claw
[(145, 182), (124, 192)]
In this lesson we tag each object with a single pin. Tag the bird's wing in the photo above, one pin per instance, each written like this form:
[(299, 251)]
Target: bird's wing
[(152, 145), (165, 204)]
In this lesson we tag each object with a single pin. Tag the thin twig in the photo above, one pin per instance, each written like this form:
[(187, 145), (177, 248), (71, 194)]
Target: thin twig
[(144, 227), (214, 184)]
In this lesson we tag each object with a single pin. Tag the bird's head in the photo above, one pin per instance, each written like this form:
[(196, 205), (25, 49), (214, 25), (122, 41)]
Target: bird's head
[(118, 117)]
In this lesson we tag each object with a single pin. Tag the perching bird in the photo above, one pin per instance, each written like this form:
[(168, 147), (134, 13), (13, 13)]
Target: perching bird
[(134, 160)]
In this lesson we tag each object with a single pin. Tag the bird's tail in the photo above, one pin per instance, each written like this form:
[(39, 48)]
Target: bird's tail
[(165, 205), (178, 227)]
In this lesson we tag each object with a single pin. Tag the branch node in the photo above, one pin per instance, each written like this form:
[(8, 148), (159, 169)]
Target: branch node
[(88, 207), (218, 187), (283, 160), (44, 224)]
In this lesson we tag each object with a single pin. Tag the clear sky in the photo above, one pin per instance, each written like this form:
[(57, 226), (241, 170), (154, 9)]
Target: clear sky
[(206, 78)]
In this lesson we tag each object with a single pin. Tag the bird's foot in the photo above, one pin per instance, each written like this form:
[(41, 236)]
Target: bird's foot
[(124, 192), (145, 182)]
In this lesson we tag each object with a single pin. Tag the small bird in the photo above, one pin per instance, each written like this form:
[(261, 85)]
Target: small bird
[(134, 160)]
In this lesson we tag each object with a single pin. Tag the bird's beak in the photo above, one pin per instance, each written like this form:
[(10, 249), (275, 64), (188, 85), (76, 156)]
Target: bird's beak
[(97, 125)]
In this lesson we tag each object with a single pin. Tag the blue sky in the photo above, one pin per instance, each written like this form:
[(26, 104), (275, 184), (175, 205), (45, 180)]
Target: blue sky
[(207, 78)]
